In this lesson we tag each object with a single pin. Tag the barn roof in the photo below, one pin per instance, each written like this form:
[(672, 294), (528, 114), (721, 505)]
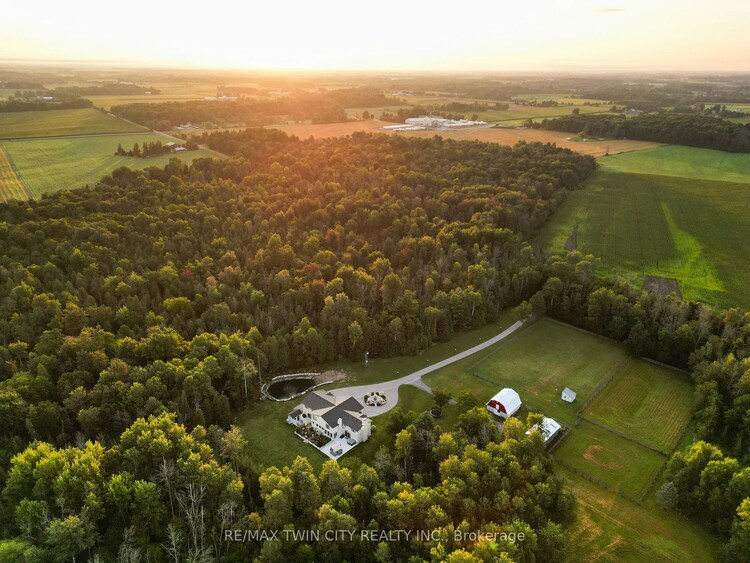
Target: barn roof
[(509, 399)]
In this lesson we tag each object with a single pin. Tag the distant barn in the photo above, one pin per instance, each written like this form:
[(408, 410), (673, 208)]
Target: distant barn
[(506, 403), (568, 395)]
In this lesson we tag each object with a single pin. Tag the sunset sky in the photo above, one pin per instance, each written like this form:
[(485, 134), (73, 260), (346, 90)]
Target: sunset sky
[(396, 35)]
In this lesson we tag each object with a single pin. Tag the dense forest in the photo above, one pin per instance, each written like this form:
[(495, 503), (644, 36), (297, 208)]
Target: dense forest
[(325, 107), (692, 130), (133, 315)]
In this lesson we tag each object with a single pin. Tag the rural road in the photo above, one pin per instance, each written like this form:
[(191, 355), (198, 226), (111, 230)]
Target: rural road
[(390, 388)]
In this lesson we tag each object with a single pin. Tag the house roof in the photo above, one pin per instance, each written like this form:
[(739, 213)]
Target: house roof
[(317, 400), (295, 413), (331, 408), (569, 391), (509, 399)]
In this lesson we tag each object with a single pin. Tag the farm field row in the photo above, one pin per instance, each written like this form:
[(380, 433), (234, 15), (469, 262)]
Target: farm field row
[(75, 162), (691, 230), (683, 162), (11, 186), (502, 136), (62, 122)]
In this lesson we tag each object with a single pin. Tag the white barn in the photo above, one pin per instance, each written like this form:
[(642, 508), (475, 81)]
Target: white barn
[(505, 404), (548, 427), (568, 395)]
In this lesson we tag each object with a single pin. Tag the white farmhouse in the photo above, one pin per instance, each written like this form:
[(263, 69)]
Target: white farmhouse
[(333, 416)]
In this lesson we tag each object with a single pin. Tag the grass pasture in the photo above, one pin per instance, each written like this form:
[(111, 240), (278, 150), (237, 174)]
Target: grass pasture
[(612, 528), (691, 229), (617, 461), (544, 359), (11, 185), (683, 162), (60, 123), (648, 401), (74, 162)]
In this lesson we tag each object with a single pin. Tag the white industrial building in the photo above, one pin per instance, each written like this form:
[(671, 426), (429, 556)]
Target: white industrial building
[(430, 123)]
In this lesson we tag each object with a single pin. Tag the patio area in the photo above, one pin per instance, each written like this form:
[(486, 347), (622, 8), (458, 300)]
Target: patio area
[(334, 449)]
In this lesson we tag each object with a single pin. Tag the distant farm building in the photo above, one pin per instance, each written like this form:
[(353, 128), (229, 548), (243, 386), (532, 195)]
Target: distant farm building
[(430, 123), (568, 395), (548, 427), (505, 404)]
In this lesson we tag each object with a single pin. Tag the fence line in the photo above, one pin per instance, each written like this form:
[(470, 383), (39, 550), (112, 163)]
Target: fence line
[(600, 482), (623, 435)]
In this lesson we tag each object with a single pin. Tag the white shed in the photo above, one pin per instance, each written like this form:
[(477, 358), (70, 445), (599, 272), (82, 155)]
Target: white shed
[(568, 395), (548, 427), (505, 404)]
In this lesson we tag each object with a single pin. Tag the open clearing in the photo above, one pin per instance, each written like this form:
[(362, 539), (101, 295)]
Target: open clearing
[(619, 462), (499, 135), (11, 186), (692, 230), (545, 358), (648, 401), (612, 528), (61, 122), (74, 162)]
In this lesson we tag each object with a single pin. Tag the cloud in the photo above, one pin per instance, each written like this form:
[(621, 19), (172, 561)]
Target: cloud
[(609, 10)]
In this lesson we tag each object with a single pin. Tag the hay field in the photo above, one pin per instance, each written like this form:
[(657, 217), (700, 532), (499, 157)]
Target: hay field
[(11, 185), (75, 162), (497, 135), (62, 122)]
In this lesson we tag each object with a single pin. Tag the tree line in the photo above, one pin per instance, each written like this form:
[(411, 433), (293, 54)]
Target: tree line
[(153, 148), (691, 130), (321, 107)]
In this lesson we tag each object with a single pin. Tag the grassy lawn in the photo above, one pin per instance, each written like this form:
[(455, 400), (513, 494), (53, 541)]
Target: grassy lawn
[(615, 460), (544, 359), (385, 369), (648, 401), (693, 230), (59, 122), (75, 162), (612, 528)]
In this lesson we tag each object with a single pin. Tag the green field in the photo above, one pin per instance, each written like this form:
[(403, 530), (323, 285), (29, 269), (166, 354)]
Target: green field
[(682, 162), (544, 359), (519, 113), (692, 229), (612, 528), (604, 455), (61, 122), (648, 401), (50, 165), (11, 186)]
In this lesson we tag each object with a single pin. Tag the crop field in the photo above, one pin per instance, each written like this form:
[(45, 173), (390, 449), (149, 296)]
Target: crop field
[(107, 102), (648, 401), (11, 186), (544, 359), (61, 122), (501, 136), (683, 162), (520, 113), (77, 161), (603, 455), (694, 230)]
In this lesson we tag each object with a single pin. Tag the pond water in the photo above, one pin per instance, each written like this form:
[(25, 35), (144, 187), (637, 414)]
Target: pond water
[(286, 389)]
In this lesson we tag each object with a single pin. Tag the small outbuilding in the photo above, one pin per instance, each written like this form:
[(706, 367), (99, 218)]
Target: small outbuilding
[(548, 427), (505, 404), (568, 395)]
